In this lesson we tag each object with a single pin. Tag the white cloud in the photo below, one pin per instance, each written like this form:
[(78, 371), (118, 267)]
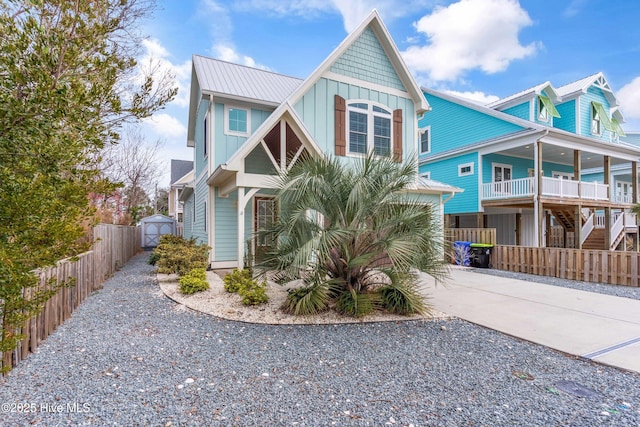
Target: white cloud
[(470, 34), (629, 97), (475, 96), (303, 8), (354, 11), (167, 126), (574, 8)]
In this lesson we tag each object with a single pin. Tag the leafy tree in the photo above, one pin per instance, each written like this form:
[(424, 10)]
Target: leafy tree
[(68, 82), (356, 236)]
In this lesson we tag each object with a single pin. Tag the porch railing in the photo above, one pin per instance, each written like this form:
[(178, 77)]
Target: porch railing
[(524, 187)]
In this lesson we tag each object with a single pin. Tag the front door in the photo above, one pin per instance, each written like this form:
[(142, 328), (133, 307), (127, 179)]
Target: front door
[(623, 192), (264, 216)]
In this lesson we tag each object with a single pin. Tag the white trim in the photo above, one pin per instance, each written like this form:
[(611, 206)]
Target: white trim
[(224, 264), (480, 178), (205, 124), (212, 230), (577, 103), (370, 124), (227, 131), (329, 75), (466, 165), (532, 109), (421, 132)]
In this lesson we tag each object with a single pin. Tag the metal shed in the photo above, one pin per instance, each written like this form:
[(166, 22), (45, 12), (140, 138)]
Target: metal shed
[(152, 227)]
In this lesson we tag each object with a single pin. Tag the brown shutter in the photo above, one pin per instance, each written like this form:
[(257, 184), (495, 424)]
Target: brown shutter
[(397, 135), (341, 126)]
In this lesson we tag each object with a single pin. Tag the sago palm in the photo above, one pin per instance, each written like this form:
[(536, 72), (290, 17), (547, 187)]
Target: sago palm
[(356, 234)]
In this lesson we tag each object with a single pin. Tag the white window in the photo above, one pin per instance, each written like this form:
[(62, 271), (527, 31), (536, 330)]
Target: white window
[(425, 140), (426, 175), (369, 129), (501, 172), (465, 169), (562, 175), (236, 121), (543, 113)]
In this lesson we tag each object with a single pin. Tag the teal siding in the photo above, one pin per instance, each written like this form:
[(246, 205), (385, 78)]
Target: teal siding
[(454, 126), (226, 227), (593, 94), (187, 216), (366, 60), (567, 120), (201, 193), (447, 171), (593, 177), (225, 146), (316, 109), (631, 138), (200, 159), (520, 167), (259, 162), (521, 111)]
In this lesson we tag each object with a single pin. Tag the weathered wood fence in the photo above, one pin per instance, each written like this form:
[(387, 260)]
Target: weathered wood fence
[(114, 245), (612, 267), (473, 235)]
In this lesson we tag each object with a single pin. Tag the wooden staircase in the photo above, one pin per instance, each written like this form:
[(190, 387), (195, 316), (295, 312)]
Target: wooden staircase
[(566, 218), (595, 240)]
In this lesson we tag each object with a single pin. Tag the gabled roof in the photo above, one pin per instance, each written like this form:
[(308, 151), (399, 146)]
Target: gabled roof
[(425, 185), (582, 85), (482, 109), (233, 81), (526, 94), (374, 22), (241, 82), (179, 168)]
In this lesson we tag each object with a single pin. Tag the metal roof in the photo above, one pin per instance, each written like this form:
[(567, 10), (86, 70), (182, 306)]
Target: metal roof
[(535, 89), (179, 168), (578, 85), (240, 81)]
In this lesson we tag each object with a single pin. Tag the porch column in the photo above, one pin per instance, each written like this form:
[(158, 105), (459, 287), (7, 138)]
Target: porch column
[(537, 204), (577, 232), (577, 169), (607, 228), (518, 229), (481, 220), (634, 182), (607, 172), (244, 195)]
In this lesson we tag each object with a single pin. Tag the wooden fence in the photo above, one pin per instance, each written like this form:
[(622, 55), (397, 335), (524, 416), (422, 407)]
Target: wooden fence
[(114, 245), (612, 267), (473, 235)]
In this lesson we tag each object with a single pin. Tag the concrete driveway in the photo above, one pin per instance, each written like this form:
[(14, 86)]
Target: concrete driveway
[(594, 326)]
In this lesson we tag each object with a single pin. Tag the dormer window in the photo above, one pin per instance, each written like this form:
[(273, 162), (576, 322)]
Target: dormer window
[(546, 109), (425, 140)]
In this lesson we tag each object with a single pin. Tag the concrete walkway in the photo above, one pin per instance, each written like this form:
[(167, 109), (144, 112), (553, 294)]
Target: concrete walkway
[(599, 327)]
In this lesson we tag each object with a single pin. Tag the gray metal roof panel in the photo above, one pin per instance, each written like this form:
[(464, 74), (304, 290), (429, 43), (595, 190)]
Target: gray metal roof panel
[(243, 81), (180, 168)]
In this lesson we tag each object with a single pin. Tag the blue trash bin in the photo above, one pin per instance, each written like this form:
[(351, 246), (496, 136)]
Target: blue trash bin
[(462, 252)]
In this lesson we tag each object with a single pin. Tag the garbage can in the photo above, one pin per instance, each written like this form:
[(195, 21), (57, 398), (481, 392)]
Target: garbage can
[(481, 255), (462, 251)]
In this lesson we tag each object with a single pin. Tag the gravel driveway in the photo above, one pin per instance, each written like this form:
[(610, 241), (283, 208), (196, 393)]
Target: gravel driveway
[(130, 356)]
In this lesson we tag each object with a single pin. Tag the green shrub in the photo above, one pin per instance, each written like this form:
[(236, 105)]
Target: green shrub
[(194, 281), (237, 279), (179, 256), (357, 304), (307, 301), (153, 258), (254, 293), (402, 299)]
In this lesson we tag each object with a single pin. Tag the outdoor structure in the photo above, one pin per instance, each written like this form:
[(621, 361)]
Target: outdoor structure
[(247, 125), (540, 159), (181, 175), (152, 227)]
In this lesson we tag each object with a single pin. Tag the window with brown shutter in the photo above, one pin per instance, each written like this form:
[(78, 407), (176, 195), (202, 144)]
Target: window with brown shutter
[(397, 135)]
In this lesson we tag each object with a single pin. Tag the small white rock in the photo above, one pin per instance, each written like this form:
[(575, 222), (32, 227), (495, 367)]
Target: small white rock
[(265, 374), (605, 413), (189, 380), (180, 386)]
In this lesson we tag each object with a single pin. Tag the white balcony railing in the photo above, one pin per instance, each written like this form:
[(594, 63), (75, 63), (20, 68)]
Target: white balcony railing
[(623, 198), (555, 187)]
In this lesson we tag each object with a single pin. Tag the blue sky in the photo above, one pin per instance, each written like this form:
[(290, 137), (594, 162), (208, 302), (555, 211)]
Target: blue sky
[(482, 49)]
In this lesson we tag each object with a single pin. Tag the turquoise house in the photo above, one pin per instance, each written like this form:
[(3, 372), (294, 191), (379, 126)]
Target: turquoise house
[(537, 160), (247, 125)]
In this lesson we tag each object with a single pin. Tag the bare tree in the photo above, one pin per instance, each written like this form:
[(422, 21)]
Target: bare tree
[(134, 164)]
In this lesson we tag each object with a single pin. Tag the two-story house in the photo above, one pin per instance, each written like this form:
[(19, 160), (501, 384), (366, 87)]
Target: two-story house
[(181, 175), (540, 157), (247, 125)]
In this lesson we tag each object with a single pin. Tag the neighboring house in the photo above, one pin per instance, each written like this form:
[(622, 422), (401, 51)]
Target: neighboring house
[(540, 157), (181, 175), (247, 125)]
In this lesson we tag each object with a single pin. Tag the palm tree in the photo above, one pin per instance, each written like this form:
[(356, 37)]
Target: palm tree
[(355, 235)]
